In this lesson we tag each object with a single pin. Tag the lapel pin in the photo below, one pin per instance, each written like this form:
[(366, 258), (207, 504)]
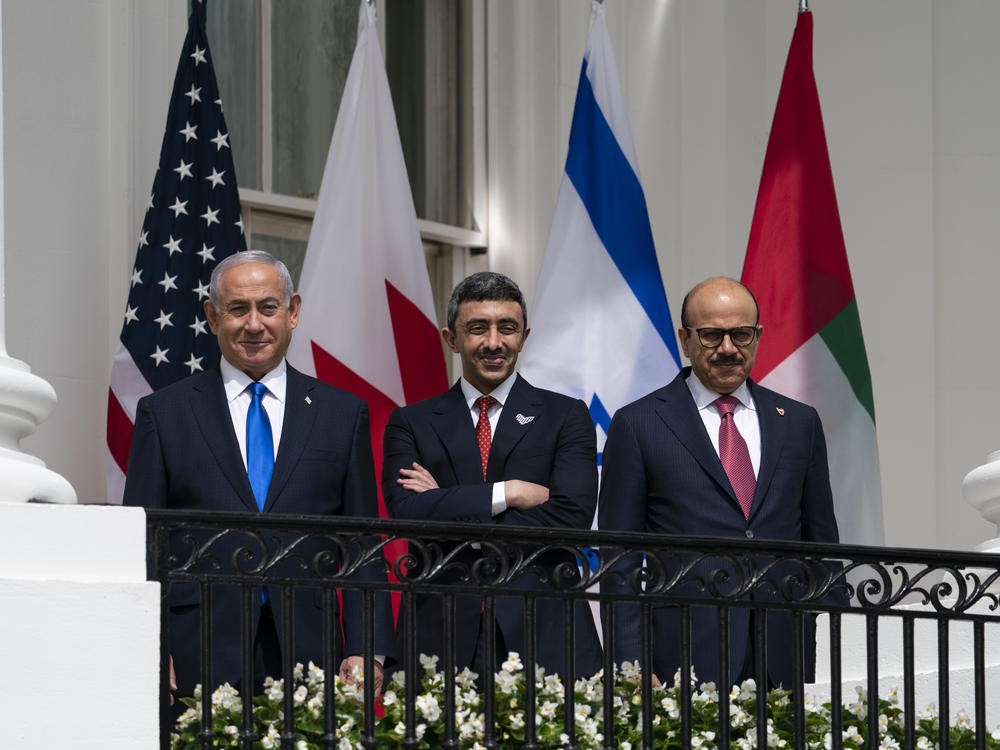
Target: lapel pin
[(781, 412), (308, 400), (523, 420)]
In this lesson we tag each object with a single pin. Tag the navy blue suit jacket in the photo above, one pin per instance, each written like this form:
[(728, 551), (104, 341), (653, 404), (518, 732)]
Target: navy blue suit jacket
[(556, 448), (185, 456), (661, 474)]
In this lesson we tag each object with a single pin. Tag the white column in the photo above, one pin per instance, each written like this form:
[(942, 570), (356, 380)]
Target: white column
[(25, 400), (981, 490)]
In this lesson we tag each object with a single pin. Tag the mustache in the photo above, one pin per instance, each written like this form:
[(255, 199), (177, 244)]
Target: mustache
[(727, 359)]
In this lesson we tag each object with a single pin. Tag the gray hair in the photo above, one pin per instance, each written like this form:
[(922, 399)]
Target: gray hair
[(249, 256), (483, 286)]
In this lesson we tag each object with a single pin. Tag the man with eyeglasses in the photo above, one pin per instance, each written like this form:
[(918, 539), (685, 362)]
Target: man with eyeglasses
[(713, 453)]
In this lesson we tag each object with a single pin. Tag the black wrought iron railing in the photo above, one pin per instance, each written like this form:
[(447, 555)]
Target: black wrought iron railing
[(201, 558)]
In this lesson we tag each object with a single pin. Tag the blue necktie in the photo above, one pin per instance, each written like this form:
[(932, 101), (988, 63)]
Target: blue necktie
[(260, 445)]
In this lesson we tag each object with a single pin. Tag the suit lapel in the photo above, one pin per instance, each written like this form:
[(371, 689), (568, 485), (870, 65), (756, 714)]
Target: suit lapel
[(678, 411), (523, 401), (773, 429), (295, 430), (211, 412), (452, 421)]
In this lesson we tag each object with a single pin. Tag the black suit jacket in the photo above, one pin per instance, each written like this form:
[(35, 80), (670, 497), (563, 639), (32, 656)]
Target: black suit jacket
[(185, 455), (661, 474), (556, 448)]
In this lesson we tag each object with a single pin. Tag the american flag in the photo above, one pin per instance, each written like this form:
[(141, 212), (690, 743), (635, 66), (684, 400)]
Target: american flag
[(192, 222)]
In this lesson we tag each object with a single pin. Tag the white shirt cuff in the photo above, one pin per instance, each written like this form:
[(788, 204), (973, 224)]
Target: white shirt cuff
[(499, 499)]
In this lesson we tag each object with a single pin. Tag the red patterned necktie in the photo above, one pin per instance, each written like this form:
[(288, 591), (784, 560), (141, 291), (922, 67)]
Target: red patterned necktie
[(735, 455), (483, 433)]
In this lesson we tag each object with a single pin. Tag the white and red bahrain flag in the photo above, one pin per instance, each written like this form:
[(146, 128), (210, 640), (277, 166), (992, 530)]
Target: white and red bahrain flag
[(367, 323)]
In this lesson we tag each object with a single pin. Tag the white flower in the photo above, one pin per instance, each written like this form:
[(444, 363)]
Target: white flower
[(962, 721), (297, 671), (670, 706), (924, 744), (276, 691), (272, 739), (888, 743), (630, 670), (465, 679), (581, 713), (588, 728), (513, 663), (506, 682), (429, 663), (707, 693), (399, 679), (226, 696), (547, 709), (300, 695), (344, 744), (626, 745), (428, 706), (553, 685), (389, 698), (400, 729)]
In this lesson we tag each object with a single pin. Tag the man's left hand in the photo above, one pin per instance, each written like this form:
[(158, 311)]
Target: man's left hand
[(350, 663), (417, 479)]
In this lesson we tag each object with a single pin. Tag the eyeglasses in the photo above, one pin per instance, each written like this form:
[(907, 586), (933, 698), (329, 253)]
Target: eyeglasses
[(712, 337)]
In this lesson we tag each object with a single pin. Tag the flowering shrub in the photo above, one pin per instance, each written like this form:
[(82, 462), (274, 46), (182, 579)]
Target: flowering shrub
[(588, 718)]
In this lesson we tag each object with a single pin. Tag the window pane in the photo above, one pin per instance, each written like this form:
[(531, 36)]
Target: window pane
[(427, 61), (232, 36), (311, 47), (290, 252)]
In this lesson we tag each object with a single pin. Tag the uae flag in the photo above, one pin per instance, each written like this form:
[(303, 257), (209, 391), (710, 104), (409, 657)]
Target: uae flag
[(796, 265)]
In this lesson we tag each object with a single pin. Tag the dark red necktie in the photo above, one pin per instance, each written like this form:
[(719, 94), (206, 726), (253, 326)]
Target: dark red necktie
[(483, 433), (735, 455)]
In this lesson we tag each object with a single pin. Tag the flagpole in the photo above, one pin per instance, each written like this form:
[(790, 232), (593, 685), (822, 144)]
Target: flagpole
[(803, 6)]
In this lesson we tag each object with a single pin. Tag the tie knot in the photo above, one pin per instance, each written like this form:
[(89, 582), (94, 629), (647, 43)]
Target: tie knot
[(484, 403), (257, 390), (726, 405)]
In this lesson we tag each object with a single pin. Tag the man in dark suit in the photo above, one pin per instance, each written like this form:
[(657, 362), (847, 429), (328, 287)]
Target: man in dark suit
[(494, 449), (687, 460), (193, 443)]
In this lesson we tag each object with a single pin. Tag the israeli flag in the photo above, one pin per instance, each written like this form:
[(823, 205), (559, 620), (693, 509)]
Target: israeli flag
[(601, 328)]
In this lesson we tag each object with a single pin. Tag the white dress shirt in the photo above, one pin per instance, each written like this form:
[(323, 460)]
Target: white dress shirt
[(744, 416), (500, 393), (235, 382)]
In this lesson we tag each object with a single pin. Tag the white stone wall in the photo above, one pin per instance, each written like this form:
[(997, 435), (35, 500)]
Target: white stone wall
[(79, 651)]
